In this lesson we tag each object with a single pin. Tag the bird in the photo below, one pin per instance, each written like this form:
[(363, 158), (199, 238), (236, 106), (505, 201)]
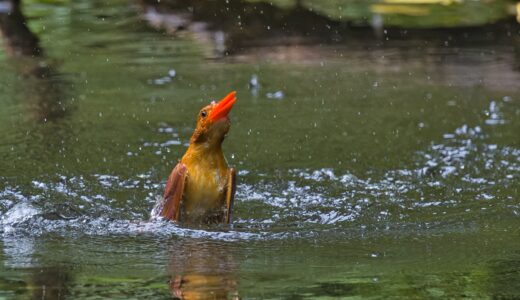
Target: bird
[(201, 187)]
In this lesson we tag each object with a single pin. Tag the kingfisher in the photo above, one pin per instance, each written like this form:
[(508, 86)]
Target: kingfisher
[(201, 187)]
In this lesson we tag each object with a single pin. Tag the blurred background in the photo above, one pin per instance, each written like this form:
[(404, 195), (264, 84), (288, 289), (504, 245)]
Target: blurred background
[(377, 144)]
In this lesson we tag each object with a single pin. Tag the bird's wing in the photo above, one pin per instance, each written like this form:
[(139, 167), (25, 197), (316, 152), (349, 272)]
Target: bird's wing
[(169, 206), (230, 194)]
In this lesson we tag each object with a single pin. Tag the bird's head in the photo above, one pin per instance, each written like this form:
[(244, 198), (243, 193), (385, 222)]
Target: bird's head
[(213, 121)]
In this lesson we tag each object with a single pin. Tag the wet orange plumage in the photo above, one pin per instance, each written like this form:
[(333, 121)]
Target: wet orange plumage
[(202, 186)]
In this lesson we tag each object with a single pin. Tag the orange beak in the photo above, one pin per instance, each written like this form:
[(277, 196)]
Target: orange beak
[(223, 107)]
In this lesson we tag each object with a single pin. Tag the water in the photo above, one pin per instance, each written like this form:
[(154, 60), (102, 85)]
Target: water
[(392, 172)]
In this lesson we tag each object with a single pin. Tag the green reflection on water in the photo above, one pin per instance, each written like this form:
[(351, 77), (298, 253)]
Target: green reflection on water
[(407, 14)]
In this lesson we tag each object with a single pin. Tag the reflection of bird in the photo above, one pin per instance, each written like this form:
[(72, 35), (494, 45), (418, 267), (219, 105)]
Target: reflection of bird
[(202, 270), (201, 187), (202, 286)]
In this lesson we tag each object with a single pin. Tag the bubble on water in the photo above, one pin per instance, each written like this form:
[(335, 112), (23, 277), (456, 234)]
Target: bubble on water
[(166, 129), (170, 143), (106, 180), (253, 82), (449, 136), (275, 95), (39, 185), (447, 171), (486, 196), (160, 81), (494, 114)]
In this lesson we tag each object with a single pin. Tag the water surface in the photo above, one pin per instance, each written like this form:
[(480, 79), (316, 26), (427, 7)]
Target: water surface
[(368, 167)]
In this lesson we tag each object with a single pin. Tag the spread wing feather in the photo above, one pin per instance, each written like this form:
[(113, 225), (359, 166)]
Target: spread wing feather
[(230, 195), (169, 206)]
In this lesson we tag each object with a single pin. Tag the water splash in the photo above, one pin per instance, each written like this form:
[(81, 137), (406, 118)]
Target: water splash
[(20, 213)]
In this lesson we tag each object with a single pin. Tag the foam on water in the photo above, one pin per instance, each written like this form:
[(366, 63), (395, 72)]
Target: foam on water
[(321, 197)]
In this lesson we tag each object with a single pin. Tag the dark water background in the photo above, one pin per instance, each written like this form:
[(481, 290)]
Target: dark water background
[(374, 161)]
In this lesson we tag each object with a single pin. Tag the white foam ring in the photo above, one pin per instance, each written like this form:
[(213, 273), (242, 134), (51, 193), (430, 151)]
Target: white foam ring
[(23, 218)]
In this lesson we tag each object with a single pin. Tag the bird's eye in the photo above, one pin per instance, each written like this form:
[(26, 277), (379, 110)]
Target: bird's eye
[(203, 114)]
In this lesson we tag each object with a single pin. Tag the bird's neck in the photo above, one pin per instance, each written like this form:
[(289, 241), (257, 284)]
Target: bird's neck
[(206, 147), (210, 153)]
